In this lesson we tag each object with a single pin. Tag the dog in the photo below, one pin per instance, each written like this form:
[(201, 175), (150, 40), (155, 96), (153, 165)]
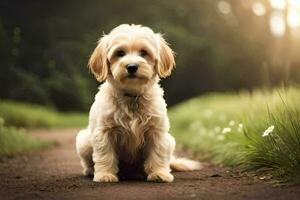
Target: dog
[(128, 130)]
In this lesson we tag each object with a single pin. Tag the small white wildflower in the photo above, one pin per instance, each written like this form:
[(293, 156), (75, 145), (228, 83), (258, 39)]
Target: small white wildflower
[(240, 128), (231, 123), (226, 130), (268, 131)]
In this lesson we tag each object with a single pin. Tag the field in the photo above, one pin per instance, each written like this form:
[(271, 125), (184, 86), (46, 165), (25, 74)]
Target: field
[(258, 131)]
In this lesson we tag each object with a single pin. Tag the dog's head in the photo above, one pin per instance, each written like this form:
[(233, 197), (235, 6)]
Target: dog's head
[(131, 56)]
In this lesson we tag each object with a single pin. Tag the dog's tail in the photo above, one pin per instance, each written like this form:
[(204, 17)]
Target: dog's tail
[(184, 164)]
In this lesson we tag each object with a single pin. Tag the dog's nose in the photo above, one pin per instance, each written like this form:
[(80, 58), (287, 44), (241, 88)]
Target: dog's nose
[(132, 68)]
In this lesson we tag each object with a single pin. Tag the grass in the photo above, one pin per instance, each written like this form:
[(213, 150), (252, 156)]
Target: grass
[(14, 141), (34, 116), (228, 129)]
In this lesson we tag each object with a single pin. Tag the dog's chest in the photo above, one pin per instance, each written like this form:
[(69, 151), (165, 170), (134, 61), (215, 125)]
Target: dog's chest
[(132, 129), (131, 142)]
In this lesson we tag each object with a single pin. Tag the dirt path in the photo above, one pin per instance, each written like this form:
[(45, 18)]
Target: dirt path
[(56, 174)]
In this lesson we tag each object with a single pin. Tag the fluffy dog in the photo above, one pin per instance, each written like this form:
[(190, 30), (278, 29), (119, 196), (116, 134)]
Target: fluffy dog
[(128, 131)]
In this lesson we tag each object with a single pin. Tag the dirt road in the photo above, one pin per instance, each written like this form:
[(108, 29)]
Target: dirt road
[(56, 174)]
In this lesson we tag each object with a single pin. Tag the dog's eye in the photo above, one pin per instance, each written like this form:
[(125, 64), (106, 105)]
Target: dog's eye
[(143, 53), (120, 53)]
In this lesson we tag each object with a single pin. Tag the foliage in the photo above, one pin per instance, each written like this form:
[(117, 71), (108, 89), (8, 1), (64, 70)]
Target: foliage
[(14, 141), (257, 131), (34, 116), (45, 47)]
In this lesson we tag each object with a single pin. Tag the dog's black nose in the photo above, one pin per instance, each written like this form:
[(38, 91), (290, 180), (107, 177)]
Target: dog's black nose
[(132, 68)]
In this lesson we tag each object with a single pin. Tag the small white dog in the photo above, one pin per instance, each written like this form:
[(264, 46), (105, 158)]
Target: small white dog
[(128, 131)]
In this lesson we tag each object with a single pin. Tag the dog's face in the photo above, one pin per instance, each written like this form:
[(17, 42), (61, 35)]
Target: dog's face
[(131, 57)]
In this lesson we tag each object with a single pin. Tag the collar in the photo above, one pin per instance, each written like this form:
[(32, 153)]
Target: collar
[(135, 96), (133, 104)]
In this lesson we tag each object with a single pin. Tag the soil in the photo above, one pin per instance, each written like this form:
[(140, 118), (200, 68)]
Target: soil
[(55, 173)]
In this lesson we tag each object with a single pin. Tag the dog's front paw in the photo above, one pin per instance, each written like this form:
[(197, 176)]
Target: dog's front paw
[(105, 177), (160, 176)]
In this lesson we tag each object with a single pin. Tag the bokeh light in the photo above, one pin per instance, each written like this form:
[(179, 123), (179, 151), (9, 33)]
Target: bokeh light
[(224, 7), (294, 3), (258, 8), (277, 24), (293, 18), (278, 4)]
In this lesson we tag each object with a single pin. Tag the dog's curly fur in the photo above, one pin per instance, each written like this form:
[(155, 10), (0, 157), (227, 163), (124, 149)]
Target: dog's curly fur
[(128, 131)]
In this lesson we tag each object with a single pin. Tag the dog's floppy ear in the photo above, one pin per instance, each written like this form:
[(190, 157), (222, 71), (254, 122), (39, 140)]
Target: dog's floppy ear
[(166, 61), (98, 60)]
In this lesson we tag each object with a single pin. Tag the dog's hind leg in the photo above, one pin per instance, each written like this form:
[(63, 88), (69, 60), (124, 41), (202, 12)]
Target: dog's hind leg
[(85, 151)]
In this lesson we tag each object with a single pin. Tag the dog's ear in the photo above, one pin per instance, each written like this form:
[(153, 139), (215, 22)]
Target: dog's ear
[(166, 61), (98, 60)]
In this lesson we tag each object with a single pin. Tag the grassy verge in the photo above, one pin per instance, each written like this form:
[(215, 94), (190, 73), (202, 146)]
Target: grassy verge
[(14, 141), (259, 131), (33, 116)]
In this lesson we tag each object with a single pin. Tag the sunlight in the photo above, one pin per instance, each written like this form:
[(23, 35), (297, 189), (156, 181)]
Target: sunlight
[(277, 24), (293, 18), (277, 18), (294, 3), (258, 9), (278, 4)]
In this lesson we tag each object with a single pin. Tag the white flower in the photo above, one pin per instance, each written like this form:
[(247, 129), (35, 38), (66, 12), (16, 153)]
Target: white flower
[(226, 130), (268, 131), (240, 128), (231, 123)]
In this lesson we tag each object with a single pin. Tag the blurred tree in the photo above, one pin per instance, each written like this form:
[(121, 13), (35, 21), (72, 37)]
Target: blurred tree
[(220, 45)]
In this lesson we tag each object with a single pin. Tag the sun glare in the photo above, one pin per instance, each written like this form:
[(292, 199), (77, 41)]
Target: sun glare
[(277, 24), (278, 4), (278, 20), (294, 3), (293, 18), (258, 8)]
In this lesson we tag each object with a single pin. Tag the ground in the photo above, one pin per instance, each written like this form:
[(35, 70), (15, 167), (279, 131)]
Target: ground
[(55, 173)]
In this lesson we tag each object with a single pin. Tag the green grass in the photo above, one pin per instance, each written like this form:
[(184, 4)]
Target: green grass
[(34, 116), (14, 141), (227, 129)]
